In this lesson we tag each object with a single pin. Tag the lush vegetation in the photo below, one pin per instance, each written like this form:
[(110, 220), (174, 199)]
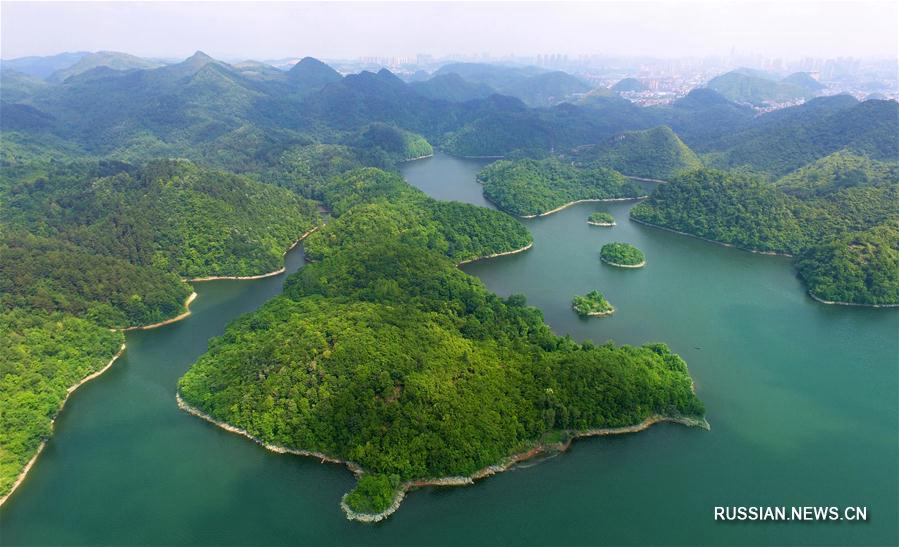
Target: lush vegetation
[(88, 246), (394, 143), (530, 187), (652, 153), (839, 219), (601, 219), (41, 356), (741, 87), (622, 254), (592, 304), (385, 354)]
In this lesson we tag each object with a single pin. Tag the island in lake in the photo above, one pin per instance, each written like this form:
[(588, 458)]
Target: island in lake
[(593, 304), (601, 219), (622, 255)]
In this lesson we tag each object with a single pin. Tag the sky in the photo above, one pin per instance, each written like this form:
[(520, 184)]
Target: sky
[(272, 30)]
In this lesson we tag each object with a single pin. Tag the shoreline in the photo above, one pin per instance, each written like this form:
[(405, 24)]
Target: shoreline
[(836, 303), (723, 244), (405, 487), (570, 203), (431, 155), (514, 459), (516, 251), (602, 224), (22, 474), (595, 313), (640, 265), (644, 179), (279, 271), (190, 298)]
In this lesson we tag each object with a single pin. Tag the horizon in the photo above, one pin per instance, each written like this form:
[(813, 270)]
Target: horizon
[(795, 30)]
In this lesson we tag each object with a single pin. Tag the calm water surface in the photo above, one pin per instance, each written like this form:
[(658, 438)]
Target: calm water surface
[(802, 399)]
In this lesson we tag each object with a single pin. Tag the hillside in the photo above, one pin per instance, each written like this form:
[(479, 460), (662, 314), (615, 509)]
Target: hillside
[(652, 153), (110, 59), (744, 88), (528, 188), (628, 84), (451, 87)]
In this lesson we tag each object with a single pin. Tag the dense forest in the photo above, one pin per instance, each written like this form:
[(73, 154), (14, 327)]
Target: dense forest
[(653, 153), (100, 224), (385, 354), (528, 187), (839, 219), (622, 254), (600, 218), (88, 246)]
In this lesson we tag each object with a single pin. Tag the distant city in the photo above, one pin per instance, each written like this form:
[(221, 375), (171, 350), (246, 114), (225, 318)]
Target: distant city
[(663, 80)]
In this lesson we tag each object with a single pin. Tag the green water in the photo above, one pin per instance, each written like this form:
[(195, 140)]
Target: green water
[(802, 398)]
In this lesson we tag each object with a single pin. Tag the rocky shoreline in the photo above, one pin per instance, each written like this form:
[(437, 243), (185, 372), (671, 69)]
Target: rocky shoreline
[(769, 253), (511, 461), (570, 203), (190, 298), (640, 265), (279, 271), (603, 224), (22, 474), (516, 251), (836, 303)]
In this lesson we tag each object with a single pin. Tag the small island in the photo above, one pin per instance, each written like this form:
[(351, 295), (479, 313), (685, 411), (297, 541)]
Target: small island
[(622, 255), (593, 304), (601, 219)]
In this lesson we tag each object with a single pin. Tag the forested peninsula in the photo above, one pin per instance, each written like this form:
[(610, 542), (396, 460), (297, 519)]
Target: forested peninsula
[(838, 217), (372, 347), (529, 188)]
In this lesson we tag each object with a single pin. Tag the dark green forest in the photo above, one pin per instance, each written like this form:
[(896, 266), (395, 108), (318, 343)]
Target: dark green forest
[(385, 354), (528, 187), (621, 254)]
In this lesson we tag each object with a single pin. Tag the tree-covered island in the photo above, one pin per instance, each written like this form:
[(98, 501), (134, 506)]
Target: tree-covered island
[(593, 304), (622, 255), (601, 219)]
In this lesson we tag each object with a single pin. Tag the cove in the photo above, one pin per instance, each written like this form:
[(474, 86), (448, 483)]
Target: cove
[(802, 398)]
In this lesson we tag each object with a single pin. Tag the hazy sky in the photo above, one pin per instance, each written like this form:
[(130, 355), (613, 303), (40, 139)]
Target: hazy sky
[(346, 30)]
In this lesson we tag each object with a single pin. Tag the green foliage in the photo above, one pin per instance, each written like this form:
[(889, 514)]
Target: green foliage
[(41, 357), (734, 209), (532, 187), (653, 153), (169, 214), (842, 225), (373, 493), (386, 204), (623, 254), (600, 218), (55, 276), (398, 145), (746, 88), (593, 303), (385, 354), (859, 267)]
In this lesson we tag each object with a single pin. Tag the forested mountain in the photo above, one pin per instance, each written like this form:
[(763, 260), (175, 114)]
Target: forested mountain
[(745, 88), (368, 351), (804, 80), (703, 117), (451, 87), (17, 86), (838, 171), (534, 86), (628, 84), (786, 140), (310, 75), (110, 59), (41, 67), (652, 153)]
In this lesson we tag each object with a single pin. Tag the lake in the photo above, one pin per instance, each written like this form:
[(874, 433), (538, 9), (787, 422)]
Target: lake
[(802, 399)]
